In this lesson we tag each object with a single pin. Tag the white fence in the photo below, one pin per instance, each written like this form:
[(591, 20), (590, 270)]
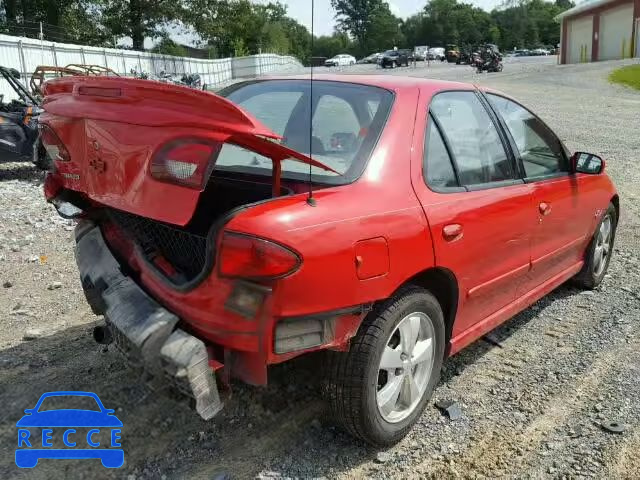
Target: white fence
[(25, 54)]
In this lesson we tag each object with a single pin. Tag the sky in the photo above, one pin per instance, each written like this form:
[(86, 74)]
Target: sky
[(323, 13)]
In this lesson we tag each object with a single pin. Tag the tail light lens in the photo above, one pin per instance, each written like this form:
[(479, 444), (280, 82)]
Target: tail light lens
[(185, 162), (250, 257), (53, 145)]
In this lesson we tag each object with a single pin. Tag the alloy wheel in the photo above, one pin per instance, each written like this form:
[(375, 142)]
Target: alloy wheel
[(405, 367), (603, 246)]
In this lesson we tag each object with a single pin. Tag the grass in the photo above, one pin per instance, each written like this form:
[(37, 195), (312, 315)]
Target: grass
[(629, 76)]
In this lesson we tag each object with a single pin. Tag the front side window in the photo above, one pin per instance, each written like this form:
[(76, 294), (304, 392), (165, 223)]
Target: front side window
[(347, 121), (473, 139), (540, 150)]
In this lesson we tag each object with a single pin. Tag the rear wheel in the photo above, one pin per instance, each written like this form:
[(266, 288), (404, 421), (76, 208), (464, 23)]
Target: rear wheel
[(598, 252), (379, 388)]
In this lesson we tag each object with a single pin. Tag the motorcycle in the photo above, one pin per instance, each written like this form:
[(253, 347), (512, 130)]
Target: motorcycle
[(491, 66)]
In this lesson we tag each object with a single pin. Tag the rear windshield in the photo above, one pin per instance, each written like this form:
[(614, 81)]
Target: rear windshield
[(347, 121)]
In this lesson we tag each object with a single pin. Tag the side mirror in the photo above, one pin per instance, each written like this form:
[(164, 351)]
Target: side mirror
[(588, 163)]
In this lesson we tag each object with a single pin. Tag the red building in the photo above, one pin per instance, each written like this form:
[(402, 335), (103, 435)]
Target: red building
[(600, 30)]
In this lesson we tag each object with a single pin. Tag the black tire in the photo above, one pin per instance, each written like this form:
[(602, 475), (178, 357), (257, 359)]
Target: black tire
[(588, 278), (351, 382), (40, 157)]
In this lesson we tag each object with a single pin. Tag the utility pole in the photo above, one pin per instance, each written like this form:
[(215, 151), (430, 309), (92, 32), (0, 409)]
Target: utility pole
[(41, 44)]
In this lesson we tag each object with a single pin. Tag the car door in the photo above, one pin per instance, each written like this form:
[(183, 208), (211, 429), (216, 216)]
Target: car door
[(563, 201), (480, 212)]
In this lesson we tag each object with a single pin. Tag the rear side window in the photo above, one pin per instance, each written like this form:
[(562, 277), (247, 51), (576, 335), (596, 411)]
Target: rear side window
[(540, 150), (336, 126), (273, 108), (437, 167), (474, 140), (346, 123)]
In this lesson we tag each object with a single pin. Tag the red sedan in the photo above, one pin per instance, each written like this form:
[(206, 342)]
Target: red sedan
[(390, 221)]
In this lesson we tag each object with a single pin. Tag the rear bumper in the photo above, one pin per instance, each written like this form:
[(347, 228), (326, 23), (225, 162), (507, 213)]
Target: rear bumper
[(143, 330)]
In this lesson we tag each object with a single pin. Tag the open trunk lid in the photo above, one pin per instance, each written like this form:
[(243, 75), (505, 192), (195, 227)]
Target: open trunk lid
[(113, 130)]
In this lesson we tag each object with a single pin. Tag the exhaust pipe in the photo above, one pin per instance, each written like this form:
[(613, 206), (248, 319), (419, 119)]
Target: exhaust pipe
[(102, 335)]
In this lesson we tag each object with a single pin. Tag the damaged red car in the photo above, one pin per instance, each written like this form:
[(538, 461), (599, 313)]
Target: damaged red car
[(388, 221)]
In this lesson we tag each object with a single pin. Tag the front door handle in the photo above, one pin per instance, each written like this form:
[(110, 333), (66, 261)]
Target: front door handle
[(545, 208), (452, 232)]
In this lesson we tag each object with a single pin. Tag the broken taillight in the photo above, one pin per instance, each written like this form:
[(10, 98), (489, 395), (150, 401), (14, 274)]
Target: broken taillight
[(245, 256), (185, 162), (52, 144)]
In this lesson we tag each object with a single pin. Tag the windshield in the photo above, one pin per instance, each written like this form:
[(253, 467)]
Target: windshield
[(347, 121), (391, 52), (67, 402)]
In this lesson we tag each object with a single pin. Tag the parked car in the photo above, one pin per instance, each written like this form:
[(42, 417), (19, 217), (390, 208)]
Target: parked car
[(393, 59), (437, 53), (522, 53), (373, 58), (19, 123), (539, 52), (411, 58), (340, 60), (228, 259), (420, 52)]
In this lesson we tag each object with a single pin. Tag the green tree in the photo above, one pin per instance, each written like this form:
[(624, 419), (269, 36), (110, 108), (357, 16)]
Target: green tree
[(239, 48), (139, 19), (167, 46), (227, 24), (385, 33), (274, 38), (367, 21), (331, 45), (81, 23)]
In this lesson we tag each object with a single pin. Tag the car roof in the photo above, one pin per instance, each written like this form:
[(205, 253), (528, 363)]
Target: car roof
[(69, 394), (395, 83)]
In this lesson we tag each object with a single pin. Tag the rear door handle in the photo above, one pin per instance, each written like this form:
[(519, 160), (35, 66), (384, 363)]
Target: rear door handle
[(545, 208), (452, 232)]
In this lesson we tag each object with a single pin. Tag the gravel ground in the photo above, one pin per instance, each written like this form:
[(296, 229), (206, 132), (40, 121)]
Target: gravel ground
[(531, 407)]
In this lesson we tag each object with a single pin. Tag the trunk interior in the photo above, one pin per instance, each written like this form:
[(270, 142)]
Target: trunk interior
[(185, 255)]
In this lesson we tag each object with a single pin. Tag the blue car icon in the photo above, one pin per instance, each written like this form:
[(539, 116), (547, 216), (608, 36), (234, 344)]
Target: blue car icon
[(43, 425)]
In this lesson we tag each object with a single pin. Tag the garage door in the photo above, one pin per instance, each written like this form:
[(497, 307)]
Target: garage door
[(616, 27), (579, 39)]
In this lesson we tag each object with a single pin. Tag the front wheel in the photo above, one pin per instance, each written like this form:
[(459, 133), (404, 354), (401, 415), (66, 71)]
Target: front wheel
[(379, 388), (598, 254)]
